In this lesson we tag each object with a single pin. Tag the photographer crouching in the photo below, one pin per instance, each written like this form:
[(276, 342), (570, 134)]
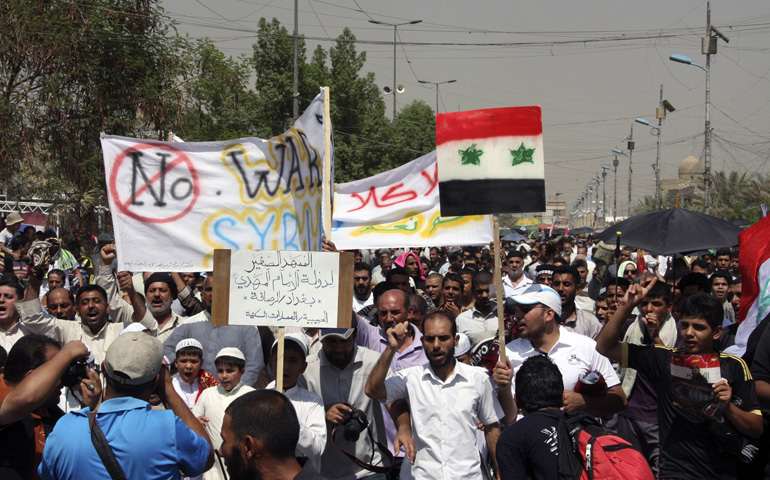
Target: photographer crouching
[(30, 387)]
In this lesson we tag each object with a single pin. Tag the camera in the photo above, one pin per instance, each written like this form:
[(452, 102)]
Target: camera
[(76, 371), (354, 425)]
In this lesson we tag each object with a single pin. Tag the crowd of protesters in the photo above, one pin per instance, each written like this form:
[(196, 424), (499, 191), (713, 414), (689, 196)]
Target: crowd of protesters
[(108, 373)]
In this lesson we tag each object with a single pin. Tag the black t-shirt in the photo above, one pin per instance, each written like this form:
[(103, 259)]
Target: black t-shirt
[(689, 448), (529, 449)]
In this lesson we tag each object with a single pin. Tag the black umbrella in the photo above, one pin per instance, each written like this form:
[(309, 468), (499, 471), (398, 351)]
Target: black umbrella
[(581, 231), (741, 222), (675, 230)]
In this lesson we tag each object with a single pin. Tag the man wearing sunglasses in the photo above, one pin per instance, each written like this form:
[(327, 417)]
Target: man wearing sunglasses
[(537, 313)]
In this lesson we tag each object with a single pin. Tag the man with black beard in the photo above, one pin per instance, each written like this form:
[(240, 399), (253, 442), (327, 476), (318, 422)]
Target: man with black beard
[(463, 394), (259, 437)]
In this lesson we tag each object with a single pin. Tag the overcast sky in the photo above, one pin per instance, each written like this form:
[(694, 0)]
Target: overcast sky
[(592, 65)]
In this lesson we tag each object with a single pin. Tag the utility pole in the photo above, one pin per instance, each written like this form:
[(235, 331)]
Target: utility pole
[(661, 114), (706, 48), (709, 47)]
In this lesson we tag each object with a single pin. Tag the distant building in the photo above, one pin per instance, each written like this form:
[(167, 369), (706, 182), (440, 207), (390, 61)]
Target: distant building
[(690, 179)]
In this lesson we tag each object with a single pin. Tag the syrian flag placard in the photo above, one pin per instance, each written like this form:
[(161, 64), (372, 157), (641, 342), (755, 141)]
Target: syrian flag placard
[(491, 161)]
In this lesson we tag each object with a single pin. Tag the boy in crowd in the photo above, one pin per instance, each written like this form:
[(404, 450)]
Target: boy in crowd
[(210, 408), (191, 380), (691, 442), (308, 405), (654, 325)]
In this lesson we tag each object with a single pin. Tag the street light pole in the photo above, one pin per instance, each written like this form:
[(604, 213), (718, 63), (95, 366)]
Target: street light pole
[(604, 193), (618, 151), (596, 209), (395, 29), (436, 84), (708, 48)]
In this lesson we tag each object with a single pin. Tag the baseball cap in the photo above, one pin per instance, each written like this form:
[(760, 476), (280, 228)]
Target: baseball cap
[(231, 352), (342, 333), (537, 293), (13, 218), (133, 358), (298, 338)]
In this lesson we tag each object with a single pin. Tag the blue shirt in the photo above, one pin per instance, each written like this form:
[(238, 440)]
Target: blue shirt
[(147, 444)]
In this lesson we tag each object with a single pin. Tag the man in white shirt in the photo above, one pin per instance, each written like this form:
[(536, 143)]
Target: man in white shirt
[(362, 283), (515, 282), (537, 313), (446, 443), (308, 405), (481, 316)]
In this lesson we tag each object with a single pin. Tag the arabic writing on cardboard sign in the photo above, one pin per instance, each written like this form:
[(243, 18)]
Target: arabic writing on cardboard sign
[(284, 288)]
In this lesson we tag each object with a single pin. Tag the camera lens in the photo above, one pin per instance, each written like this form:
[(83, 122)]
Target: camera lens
[(352, 430)]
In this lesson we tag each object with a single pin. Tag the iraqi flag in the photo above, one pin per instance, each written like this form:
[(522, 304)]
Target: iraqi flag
[(754, 259), (491, 161)]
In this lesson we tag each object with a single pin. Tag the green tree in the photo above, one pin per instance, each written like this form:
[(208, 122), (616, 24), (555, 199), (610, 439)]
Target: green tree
[(273, 63), (218, 104), (69, 71), (415, 132), (362, 134)]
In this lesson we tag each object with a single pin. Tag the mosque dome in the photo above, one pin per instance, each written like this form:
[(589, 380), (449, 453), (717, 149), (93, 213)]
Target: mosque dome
[(690, 169)]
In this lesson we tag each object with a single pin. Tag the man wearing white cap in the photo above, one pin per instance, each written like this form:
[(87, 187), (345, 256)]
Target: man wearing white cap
[(537, 314), (145, 443), (210, 409), (308, 405)]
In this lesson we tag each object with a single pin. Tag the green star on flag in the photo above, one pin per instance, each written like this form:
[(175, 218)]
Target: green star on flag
[(470, 156), (522, 155)]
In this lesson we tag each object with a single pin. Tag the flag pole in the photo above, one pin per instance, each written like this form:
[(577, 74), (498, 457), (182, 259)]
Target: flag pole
[(327, 180), (499, 287)]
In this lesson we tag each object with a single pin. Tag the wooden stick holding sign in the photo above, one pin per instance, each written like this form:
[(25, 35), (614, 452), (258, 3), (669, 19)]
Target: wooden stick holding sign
[(491, 162), (499, 288)]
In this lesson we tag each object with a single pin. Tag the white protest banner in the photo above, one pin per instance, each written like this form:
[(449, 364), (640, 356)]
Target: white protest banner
[(173, 203), (285, 288), (400, 207)]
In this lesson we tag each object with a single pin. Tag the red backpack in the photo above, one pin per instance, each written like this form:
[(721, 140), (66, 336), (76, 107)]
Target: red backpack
[(588, 451)]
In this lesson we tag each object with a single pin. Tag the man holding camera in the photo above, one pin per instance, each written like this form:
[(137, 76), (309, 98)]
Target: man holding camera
[(29, 391), (338, 374), (145, 443)]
